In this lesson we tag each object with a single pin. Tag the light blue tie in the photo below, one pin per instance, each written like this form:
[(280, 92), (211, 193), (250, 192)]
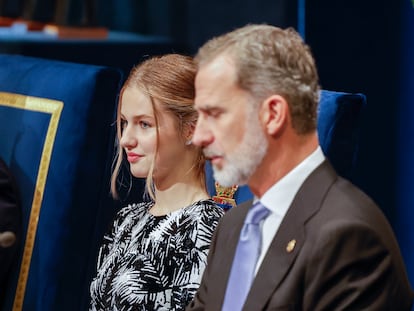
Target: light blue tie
[(245, 259)]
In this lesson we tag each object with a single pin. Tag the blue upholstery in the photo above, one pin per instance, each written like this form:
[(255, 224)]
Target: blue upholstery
[(58, 143), (338, 130)]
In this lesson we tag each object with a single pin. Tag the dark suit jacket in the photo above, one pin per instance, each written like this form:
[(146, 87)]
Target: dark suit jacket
[(345, 257), (10, 220)]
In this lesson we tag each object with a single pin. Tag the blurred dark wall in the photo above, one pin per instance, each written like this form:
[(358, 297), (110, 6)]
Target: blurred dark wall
[(205, 19), (368, 47), (191, 22), (355, 44)]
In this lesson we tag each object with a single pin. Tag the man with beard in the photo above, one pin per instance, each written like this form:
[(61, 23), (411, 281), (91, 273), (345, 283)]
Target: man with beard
[(311, 240)]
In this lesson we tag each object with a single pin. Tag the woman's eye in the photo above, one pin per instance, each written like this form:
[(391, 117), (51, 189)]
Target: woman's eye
[(124, 124), (144, 124)]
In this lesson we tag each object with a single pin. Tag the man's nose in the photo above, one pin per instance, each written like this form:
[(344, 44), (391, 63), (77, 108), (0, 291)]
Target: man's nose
[(202, 136)]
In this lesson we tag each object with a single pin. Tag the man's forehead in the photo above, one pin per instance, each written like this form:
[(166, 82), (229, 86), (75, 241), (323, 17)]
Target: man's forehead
[(215, 82), (217, 66), (215, 76)]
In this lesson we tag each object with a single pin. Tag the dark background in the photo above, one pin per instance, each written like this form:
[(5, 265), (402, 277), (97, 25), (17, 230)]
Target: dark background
[(359, 46)]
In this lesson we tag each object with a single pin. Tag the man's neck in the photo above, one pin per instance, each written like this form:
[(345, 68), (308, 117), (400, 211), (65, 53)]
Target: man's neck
[(280, 160)]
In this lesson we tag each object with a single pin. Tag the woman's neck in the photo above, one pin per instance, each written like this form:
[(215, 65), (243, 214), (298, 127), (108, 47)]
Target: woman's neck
[(176, 197)]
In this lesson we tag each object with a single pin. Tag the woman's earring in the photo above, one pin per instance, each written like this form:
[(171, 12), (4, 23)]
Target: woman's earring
[(188, 142)]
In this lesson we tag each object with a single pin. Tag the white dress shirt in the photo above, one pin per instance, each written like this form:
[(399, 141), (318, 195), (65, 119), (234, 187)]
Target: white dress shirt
[(280, 196)]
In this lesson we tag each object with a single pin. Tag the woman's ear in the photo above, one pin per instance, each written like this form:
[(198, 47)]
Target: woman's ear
[(274, 113), (188, 131)]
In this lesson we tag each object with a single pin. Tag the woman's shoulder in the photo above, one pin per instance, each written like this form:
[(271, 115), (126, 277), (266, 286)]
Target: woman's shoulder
[(133, 209), (202, 216), (204, 208)]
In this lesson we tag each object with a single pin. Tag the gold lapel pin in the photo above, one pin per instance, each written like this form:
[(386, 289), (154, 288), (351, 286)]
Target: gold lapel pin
[(290, 246)]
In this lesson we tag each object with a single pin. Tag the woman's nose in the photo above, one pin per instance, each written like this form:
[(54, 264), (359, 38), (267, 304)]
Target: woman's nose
[(127, 139)]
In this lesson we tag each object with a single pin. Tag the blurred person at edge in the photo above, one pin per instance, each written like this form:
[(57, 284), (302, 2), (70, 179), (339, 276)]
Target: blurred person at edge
[(10, 224)]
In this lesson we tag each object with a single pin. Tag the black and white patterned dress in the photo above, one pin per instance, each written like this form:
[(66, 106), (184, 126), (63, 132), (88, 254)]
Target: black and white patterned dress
[(154, 262)]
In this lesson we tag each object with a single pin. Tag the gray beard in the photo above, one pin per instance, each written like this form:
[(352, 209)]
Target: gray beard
[(243, 161)]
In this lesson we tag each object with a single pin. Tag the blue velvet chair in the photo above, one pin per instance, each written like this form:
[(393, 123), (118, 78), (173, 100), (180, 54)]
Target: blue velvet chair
[(57, 139), (339, 118)]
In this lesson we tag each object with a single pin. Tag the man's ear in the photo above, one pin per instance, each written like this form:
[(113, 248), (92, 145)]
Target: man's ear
[(274, 113)]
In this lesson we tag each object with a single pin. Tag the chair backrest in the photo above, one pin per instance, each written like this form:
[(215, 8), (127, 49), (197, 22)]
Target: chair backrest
[(57, 139), (339, 117)]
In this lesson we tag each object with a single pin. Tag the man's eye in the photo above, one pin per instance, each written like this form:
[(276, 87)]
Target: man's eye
[(214, 113)]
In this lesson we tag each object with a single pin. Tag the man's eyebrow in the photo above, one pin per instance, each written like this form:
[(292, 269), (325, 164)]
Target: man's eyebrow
[(208, 106)]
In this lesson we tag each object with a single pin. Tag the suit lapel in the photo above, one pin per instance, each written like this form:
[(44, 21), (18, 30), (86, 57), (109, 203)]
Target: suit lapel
[(290, 237)]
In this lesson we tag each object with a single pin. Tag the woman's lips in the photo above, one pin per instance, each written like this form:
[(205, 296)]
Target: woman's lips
[(133, 157)]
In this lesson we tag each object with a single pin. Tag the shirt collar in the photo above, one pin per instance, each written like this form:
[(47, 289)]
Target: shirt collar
[(280, 196)]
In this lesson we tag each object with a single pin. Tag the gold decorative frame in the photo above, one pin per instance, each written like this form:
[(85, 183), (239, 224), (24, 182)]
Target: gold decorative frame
[(54, 108)]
